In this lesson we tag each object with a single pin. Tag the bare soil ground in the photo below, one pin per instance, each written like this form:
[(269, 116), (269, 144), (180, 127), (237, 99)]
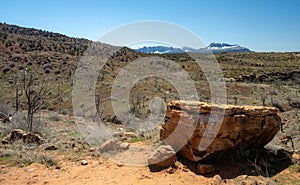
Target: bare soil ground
[(99, 171), (103, 171)]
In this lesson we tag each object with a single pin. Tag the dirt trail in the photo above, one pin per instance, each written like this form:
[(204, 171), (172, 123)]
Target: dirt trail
[(99, 171), (104, 171)]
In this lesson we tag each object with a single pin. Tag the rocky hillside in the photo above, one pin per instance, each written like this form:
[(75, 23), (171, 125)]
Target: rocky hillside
[(24, 47)]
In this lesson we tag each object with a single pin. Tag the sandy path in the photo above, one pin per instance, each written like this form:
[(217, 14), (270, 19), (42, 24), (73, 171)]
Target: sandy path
[(98, 172)]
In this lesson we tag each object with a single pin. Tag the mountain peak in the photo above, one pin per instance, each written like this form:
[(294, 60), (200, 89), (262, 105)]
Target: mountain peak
[(224, 47), (211, 48), (215, 44)]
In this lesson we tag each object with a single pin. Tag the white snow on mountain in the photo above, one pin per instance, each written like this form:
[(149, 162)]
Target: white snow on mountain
[(212, 48)]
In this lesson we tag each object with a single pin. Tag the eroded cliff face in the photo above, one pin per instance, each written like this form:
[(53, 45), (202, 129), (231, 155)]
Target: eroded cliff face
[(197, 130)]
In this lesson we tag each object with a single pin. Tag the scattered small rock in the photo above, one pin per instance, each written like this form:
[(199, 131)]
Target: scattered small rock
[(120, 165), (145, 177), (171, 170), (296, 158), (118, 134), (245, 183), (130, 135), (4, 141), (52, 147), (124, 146), (253, 182), (93, 149), (73, 145), (205, 169), (162, 158), (112, 145), (244, 176), (34, 167), (83, 162), (185, 169), (26, 137), (217, 179), (57, 167)]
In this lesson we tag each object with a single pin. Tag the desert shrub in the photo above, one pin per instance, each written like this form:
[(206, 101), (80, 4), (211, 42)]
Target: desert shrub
[(5, 69), (11, 65), (47, 70), (8, 43), (54, 117), (114, 119), (7, 153), (3, 36), (21, 67), (5, 110), (24, 155), (57, 72), (38, 126), (45, 159), (47, 65), (64, 112)]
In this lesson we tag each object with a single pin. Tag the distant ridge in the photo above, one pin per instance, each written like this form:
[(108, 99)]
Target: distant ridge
[(57, 37), (212, 48)]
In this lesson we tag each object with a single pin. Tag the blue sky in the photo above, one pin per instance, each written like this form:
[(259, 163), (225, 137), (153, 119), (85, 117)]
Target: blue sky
[(261, 25)]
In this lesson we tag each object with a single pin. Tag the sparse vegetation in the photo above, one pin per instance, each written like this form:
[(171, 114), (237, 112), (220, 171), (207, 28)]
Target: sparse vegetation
[(36, 74), (23, 155)]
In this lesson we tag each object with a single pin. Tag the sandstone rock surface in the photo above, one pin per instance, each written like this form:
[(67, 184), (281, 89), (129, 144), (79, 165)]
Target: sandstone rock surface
[(162, 158), (196, 130), (112, 145), (84, 162)]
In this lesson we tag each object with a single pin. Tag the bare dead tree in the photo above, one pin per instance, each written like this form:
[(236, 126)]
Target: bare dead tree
[(14, 82), (36, 89)]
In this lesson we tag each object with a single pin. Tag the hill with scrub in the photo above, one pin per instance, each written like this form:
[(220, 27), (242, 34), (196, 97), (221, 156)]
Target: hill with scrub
[(51, 59)]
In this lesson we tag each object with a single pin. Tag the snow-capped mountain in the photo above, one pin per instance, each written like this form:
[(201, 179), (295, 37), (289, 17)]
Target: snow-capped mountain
[(223, 47), (212, 48)]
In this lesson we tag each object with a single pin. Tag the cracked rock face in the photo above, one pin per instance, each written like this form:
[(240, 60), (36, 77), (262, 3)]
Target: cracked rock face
[(197, 130)]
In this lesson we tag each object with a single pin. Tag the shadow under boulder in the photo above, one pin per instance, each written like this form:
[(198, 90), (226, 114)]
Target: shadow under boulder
[(232, 164)]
